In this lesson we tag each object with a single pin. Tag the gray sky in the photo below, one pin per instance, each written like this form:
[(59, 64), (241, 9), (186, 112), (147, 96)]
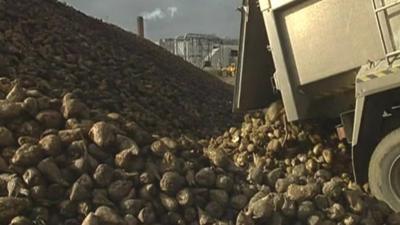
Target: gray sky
[(167, 18)]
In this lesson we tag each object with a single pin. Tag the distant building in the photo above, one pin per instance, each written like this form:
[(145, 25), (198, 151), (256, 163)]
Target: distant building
[(223, 56), (203, 50), (168, 44)]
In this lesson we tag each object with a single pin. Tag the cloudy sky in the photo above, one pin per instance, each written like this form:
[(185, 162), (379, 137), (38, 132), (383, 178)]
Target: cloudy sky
[(167, 18)]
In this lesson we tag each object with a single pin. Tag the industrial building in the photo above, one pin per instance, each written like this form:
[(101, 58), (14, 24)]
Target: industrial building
[(203, 50)]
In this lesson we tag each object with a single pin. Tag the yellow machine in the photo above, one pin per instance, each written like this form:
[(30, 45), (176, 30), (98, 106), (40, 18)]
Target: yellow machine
[(229, 70)]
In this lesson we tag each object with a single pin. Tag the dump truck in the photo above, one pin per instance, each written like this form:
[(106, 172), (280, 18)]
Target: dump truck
[(330, 59)]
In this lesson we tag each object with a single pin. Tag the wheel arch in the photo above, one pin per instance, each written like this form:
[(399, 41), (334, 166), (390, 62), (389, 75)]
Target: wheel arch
[(374, 98)]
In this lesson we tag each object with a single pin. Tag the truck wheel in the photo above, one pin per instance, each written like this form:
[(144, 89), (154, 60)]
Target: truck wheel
[(384, 170)]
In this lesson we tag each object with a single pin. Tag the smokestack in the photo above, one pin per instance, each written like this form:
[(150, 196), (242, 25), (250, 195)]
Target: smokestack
[(140, 26)]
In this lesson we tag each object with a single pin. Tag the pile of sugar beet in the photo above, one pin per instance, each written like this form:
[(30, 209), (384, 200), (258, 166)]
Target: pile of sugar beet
[(99, 127), (65, 163), (66, 51)]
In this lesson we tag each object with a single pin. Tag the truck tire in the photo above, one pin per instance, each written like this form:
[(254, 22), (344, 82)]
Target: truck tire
[(384, 170)]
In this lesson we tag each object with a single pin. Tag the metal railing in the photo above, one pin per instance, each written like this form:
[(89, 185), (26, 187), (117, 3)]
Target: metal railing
[(377, 11)]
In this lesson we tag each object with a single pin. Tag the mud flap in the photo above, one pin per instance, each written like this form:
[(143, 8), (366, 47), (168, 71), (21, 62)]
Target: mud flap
[(368, 119), (253, 89)]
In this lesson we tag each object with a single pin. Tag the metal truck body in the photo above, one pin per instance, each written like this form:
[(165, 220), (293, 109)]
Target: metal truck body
[(327, 58)]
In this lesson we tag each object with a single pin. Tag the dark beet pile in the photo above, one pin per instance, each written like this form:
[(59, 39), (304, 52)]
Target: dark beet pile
[(109, 68)]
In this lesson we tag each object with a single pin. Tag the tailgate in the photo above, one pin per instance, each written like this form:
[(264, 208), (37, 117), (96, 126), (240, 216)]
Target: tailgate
[(253, 89)]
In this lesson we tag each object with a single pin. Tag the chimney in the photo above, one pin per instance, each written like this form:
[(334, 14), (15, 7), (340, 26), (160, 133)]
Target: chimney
[(140, 26)]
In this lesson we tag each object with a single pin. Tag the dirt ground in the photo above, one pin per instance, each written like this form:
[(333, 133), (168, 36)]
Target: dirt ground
[(227, 80)]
